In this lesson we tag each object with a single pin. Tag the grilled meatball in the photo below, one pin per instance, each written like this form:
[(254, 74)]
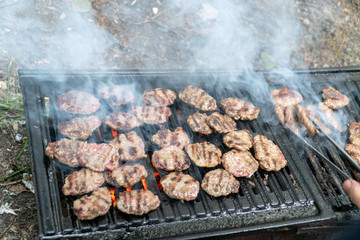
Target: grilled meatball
[(180, 186), (333, 98), (166, 137), (126, 176), (305, 121), (354, 151), (117, 95), (354, 130), (221, 123), (239, 109), (81, 182), (65, 151), (170, 158), (198, 98), (330, 117), (268, 153), (90, 207), (240, 163), (220, 182), (99, 157), (198, 123), (137, 202), (286, 97), (241, 140), (77, 102), (130, 145), (122, 121), (159, 97), (152, 115), (79, 128), (204, 154)]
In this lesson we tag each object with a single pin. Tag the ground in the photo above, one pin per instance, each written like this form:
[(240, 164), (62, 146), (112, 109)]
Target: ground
[(153, 35)]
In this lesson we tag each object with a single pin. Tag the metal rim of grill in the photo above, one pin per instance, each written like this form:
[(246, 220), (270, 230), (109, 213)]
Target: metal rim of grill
[(305, 191)]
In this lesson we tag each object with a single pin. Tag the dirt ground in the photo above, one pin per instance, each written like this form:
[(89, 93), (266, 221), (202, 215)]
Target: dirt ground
[(146, 36)]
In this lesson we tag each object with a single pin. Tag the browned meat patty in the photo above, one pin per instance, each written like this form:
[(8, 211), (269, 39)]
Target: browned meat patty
[(198, 98), (152, 115), (79, 128), (65, 151), (159, 97), (354, 130), (305, 121), (170, 158), (241, 140), (330, 117), (354, 151), (313, 113), (126, 176), (77, 102), (117, 95), (122, 121), (287, 116), (137, 202), (180, 186), (268, 153), (239, 109), (204, 154), (83, 181), (198, 123), (333, 98), (220, 182), (131, 147), (286, 97), (99, 157), (221, 123), (166, 137), (240, 163), (90, 207)]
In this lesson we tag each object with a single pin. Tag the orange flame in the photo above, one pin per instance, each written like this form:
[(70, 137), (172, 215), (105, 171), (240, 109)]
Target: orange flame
[(128, 189), (144, 183), (99, 133), (157, 177), (112, 191), (114, 133)]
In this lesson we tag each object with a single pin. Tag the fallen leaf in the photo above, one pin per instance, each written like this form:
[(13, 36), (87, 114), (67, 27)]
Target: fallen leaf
[(5, 208), (16, 188)]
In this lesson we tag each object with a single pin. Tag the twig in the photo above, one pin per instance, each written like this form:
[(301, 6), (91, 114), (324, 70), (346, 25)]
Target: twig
[(340, 46), (12, 222), (10, 183)]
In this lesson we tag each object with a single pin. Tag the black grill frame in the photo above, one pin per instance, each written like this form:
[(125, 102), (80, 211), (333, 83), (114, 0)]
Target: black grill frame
[(53, 225)]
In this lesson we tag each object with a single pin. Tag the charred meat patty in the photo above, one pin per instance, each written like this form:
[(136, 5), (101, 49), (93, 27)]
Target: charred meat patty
[(220, 182), (179, 185), (286, 97), (90, 207), (204, 154), (239, 109), (80, 127), (126, 176), (354, 130), (198, 123), (166, 137), (198, 98), (117, 95), (333, 98), (268, 154), (65, 151), (170, 158), (240, 163), (77, 102), (354, 151), (83, 181), (152, 115), (122, 121), (159, 97), (130, 146), (99, 157), (221, 123), (137, 202), (241, 140)]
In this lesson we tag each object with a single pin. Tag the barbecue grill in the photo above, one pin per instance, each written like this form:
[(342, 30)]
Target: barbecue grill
[(306, 193)]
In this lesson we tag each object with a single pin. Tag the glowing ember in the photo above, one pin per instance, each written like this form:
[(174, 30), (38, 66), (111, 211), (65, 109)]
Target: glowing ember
[(112, 191), (144, 184), (128, 189), (99, 133), (114, 133), (157, 177)]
